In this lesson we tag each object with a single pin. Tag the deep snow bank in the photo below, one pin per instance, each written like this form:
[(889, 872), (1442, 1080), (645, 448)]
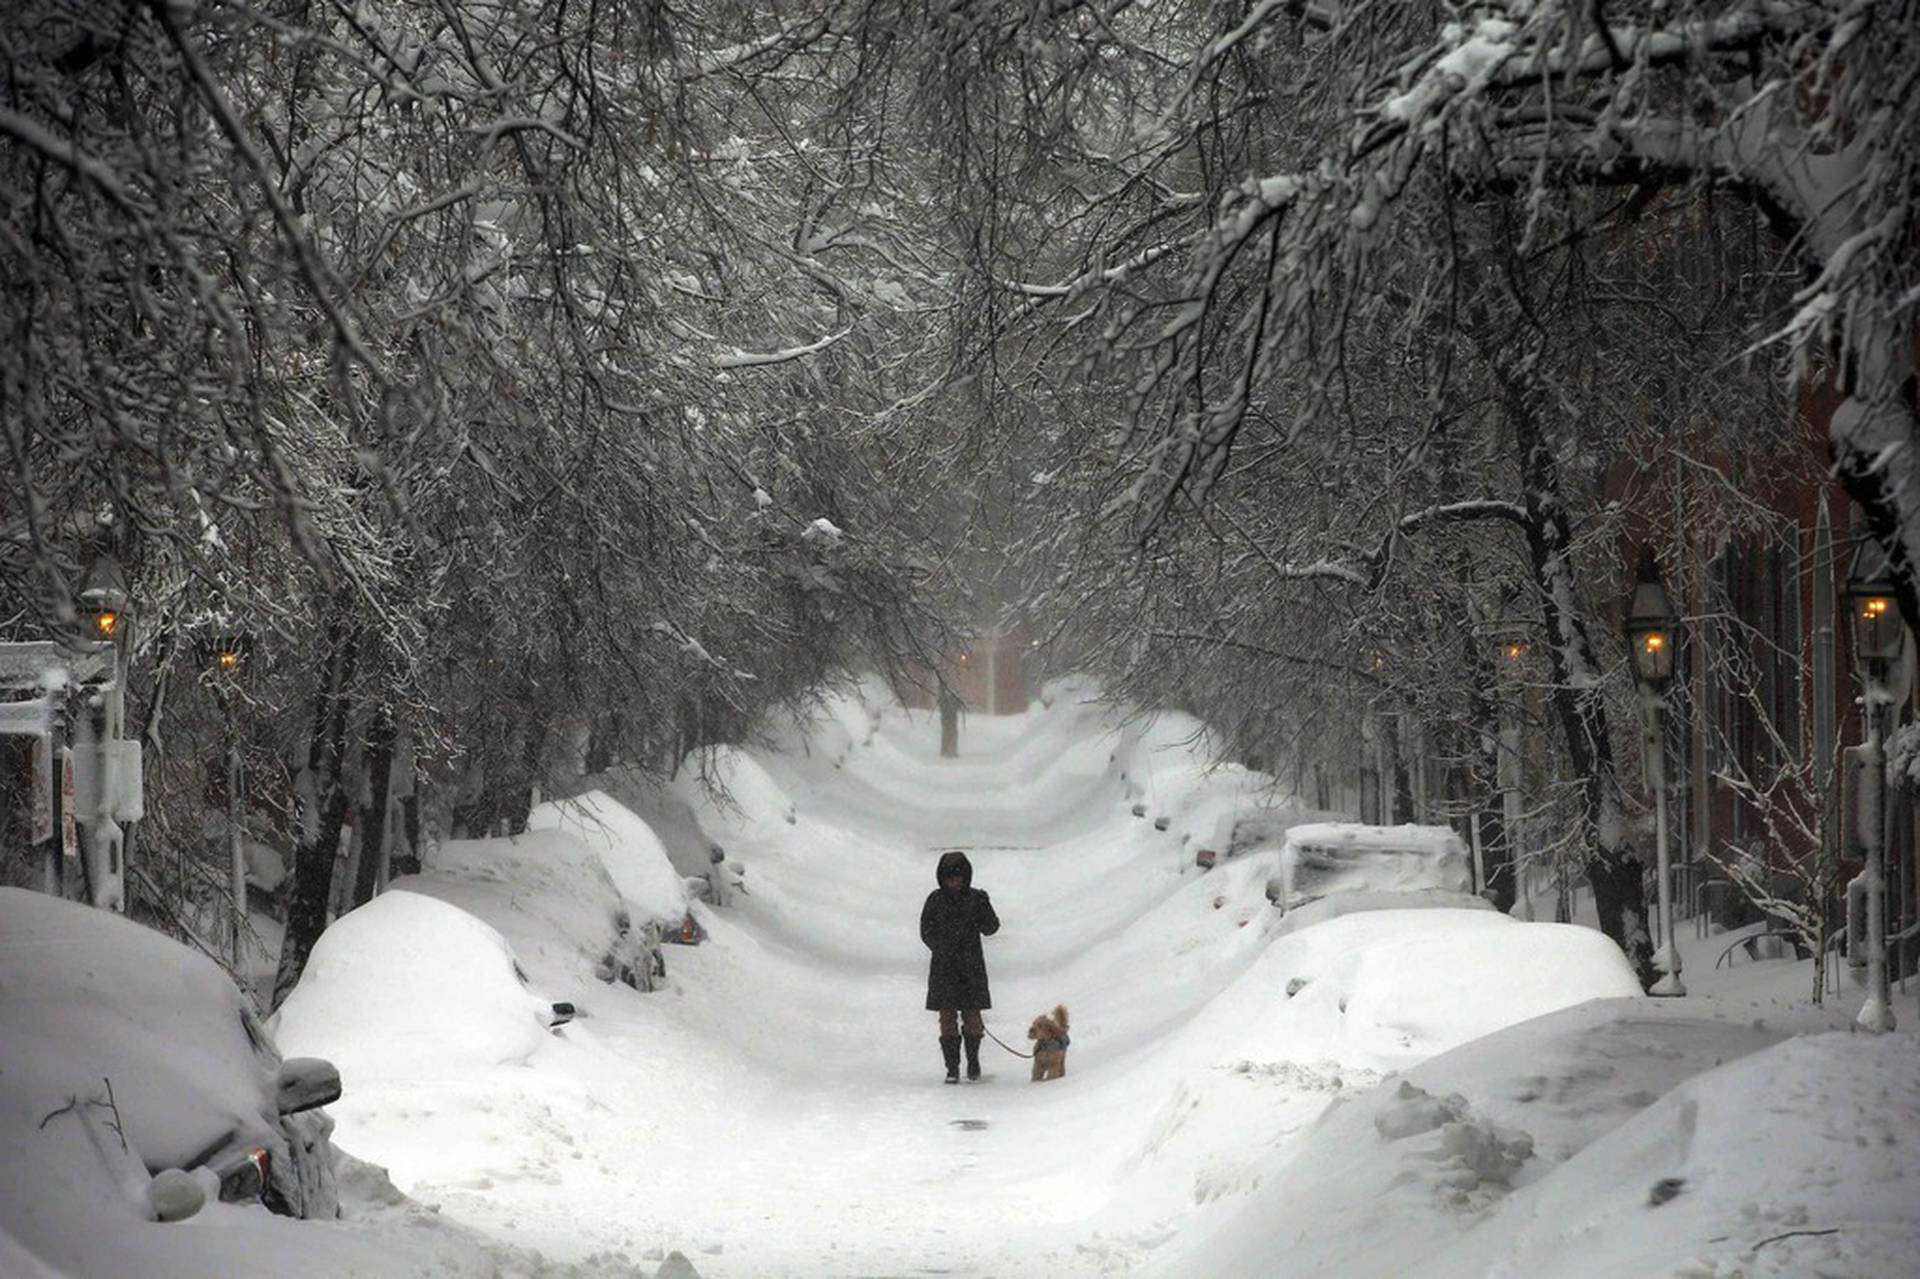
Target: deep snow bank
[(569, 896), (776, 1109), (634, 857), (87, 994), (409, 984), (88, 997), (1489, 1159), (1799, 1159)]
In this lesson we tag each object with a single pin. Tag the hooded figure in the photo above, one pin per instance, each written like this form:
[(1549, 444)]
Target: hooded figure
[(957, 915)]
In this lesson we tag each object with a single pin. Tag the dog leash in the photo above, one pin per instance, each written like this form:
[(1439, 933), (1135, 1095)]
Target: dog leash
[(996, 1039)]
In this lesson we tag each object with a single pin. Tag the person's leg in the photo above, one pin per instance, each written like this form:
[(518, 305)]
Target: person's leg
[(972, 1029), (950, 1043)]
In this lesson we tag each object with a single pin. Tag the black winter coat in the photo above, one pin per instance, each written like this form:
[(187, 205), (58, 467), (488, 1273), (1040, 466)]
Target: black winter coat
[(951, 925)]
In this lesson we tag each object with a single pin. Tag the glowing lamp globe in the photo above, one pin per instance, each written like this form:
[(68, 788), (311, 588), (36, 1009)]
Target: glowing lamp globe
[(104, 600), (1652, 626), (1879, 633)]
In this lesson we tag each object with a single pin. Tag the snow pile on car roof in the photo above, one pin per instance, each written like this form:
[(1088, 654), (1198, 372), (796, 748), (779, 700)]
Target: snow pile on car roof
[(730, 793), (1385, 988), (1323, 857), (88, 996), (408, 984), (1411, 837), (549, 894), (627, 846)]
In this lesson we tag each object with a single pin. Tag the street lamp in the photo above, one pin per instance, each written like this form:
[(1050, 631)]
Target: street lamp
[(1510, 768), (112, 768), (225, 658), (1879, 646), (1652, 632), (103, 601)]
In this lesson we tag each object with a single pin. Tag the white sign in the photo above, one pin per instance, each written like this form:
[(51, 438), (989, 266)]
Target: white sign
[(129, 780), (41, 784)]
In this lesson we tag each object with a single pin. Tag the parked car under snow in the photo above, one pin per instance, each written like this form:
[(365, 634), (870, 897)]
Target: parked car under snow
[(121, 1039), (1397, 864)]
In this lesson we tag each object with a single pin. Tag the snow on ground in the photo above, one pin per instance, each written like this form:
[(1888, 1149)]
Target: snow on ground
[(635, 859), (1419, 1087), (1390, 1091), (121, 1049)]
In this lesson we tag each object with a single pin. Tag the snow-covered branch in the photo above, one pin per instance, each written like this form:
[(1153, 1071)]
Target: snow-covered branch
[(1088, 279), (1476, 509), (738, 359)]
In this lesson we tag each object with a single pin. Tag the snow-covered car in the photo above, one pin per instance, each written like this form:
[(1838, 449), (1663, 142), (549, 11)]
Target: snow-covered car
[(410, 984), (1323, 858), (114, 1024)]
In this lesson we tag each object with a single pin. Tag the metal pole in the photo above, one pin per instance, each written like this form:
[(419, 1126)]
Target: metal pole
[(1876, 1014), (1667, 958), (1479, 857), (1511, 777), (54, 867), (236, 852)]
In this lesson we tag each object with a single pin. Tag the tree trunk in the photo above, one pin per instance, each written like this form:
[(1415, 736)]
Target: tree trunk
[(373, 819), (1577, 693), (313, 857), (517, 804), (949, 723), (410, 822)]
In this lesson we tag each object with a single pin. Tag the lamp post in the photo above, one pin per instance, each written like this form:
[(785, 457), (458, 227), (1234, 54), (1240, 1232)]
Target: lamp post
[(103, 607), (1879, 646), (225, 658), (1510, 774), (1652, 628)]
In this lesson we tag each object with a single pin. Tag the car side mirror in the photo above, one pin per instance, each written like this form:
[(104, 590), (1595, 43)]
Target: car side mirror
[(307, 1083), (561, 1015)]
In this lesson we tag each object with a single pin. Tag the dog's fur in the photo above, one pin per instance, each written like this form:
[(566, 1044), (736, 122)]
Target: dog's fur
[(1049, 1064)]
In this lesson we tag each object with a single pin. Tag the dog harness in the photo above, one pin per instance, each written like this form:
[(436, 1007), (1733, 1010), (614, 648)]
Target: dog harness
[(1055, 1045)]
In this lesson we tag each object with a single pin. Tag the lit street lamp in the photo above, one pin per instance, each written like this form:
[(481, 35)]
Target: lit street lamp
[(1510, 774), (114, 781), (1652, 630), (225, 659), (1879, 646)]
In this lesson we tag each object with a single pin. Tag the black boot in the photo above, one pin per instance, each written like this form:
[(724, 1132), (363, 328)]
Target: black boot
[(950, 1049), (973, 1056)]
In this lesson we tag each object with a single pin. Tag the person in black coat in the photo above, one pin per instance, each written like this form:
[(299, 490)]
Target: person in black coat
[(957, 915)]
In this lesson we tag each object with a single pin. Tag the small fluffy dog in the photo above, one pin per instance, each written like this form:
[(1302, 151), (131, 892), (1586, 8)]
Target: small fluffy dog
[(1049, 1036)]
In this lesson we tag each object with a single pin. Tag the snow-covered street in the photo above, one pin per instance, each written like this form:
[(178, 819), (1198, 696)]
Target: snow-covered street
[(777, 1109), (579, 580)]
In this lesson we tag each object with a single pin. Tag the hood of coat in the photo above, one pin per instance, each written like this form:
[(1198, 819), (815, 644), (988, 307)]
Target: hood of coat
[(954, 862)]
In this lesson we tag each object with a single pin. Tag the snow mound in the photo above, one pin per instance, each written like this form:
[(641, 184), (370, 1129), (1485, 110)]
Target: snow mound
[(730, 793), (547, 893), (1385, 988), (87, 995), (1330, 857), (632, 854), (1444, 977), (1441, 1171), (1335, 905), (832, 727), (1794, 1143), (656, 801), (1473, 1153), (406, 986)]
